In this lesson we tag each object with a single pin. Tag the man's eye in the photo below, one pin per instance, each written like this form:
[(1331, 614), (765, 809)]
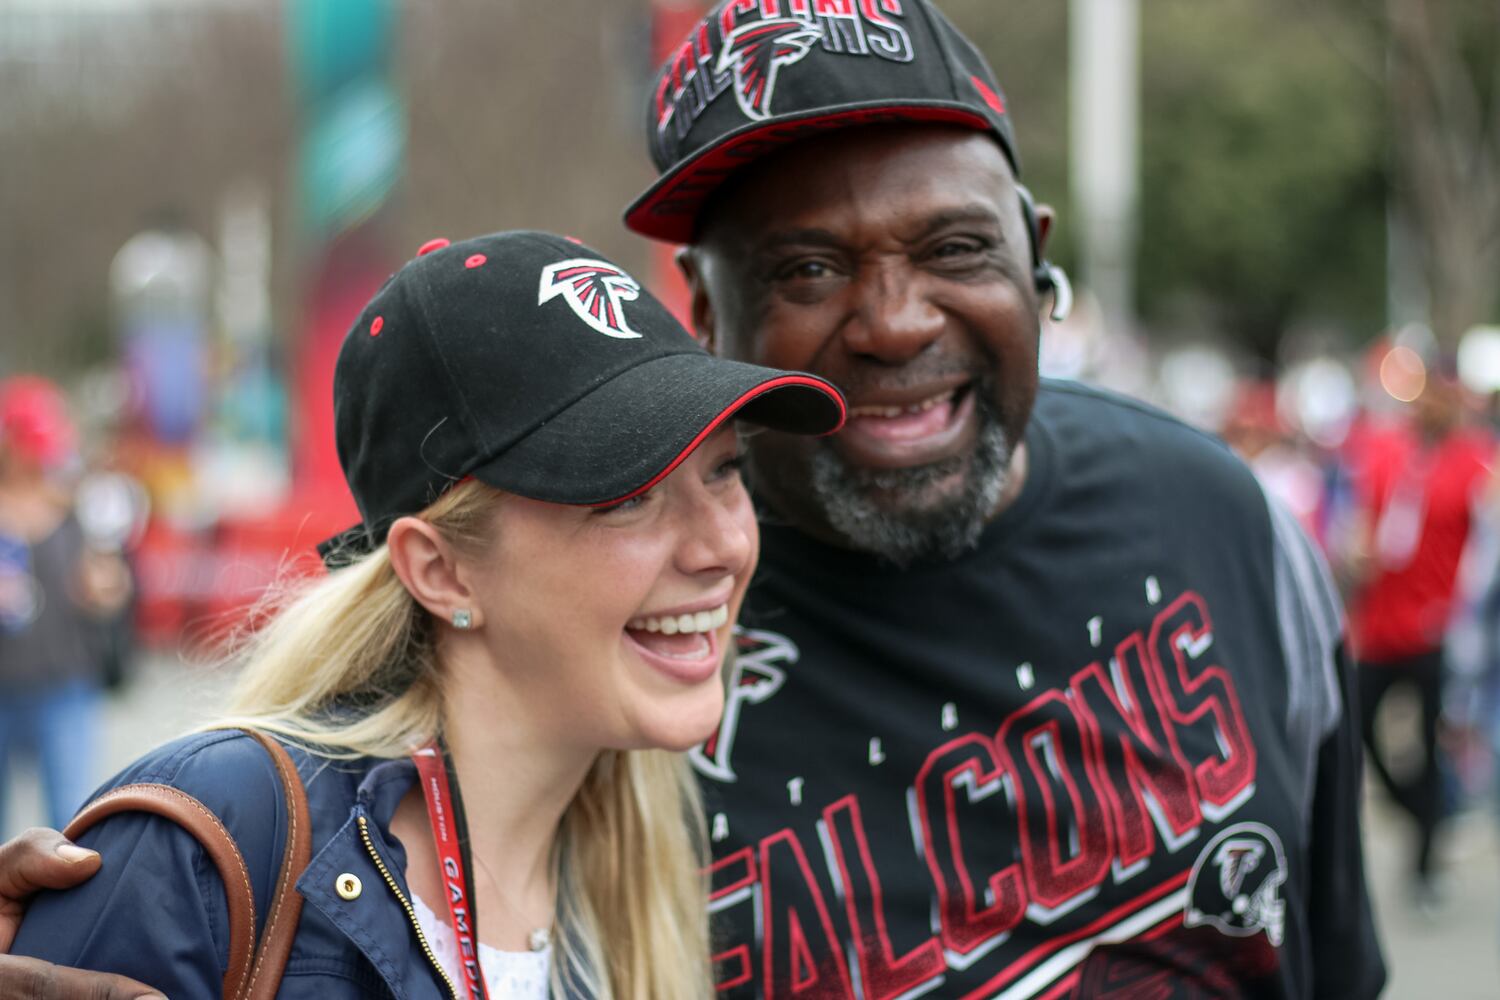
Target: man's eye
[(805, 270), (956, 248)]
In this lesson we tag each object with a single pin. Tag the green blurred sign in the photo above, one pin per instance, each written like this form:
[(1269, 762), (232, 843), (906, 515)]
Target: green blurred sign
[(336, 42), (354, 126), (351, 156)]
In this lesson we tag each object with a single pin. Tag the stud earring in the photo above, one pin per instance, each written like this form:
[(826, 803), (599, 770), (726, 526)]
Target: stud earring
[(462, 618)]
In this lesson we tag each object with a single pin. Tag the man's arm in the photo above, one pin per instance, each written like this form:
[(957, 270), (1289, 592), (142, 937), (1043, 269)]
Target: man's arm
[(1346, 951), (42, 859), (1323, 729)]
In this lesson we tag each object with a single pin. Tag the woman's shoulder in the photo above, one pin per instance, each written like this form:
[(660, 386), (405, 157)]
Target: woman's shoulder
[(151, 865), (212, 766), (234, 777), (148, 858)]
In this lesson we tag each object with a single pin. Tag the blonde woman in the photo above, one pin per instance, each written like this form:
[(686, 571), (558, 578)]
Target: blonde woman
[(532, 612)]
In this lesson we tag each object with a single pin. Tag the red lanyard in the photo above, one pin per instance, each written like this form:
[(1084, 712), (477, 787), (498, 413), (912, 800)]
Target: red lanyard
[(445, 811)]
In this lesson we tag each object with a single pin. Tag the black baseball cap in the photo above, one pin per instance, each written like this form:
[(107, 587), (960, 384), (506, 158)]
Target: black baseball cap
[(533, 364), (752, 77)]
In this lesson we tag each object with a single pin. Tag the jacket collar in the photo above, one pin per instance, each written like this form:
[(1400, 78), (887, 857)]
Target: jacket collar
[(378, 919), (377, 922)]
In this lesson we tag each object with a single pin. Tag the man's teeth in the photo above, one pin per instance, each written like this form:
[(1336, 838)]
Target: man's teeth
[(700, 621), (896, 411)]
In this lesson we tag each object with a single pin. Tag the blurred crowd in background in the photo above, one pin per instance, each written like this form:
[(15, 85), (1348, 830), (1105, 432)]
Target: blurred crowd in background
[(1289, 236)]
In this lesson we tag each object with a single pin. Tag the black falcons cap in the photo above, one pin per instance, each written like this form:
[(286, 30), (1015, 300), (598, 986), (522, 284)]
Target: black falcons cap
[(533, 364), (755, 75)]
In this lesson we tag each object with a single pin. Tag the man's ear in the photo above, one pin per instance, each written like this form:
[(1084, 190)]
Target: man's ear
[(1044, 218), (427, 566), (701, 311)]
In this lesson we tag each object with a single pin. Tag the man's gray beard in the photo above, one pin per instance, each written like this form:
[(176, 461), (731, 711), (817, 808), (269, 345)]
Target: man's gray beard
[(904, 534)]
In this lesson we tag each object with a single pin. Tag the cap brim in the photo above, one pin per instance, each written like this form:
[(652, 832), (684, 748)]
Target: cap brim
[(631, 432), (668, 210)]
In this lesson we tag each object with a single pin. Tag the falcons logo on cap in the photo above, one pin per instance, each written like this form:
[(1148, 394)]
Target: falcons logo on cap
[(594, 290), (756, 51)]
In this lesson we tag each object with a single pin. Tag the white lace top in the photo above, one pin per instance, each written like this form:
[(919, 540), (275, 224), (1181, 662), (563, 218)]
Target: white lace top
[(509, 975)]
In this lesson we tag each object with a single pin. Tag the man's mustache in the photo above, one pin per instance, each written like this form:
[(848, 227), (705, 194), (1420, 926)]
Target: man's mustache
[(878, 378)]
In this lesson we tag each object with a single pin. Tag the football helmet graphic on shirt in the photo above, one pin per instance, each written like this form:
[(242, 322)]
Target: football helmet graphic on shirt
[(1236, 883)]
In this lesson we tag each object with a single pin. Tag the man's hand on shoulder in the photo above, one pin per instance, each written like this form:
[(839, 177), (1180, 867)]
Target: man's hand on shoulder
[(37, 859), (44, 859)]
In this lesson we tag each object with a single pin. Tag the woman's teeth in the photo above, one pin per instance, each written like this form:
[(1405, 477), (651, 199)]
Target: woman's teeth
[(896, 411), (701, 621)]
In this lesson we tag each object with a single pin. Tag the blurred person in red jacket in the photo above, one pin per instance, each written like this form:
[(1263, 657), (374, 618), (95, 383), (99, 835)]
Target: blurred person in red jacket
[(53, 590), (1417, 484)]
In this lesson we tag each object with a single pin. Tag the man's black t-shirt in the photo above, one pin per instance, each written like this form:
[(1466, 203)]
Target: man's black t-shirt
[(1104, 754)]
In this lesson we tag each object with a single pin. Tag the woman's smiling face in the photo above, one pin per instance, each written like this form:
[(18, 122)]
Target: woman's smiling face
[(609, 625)]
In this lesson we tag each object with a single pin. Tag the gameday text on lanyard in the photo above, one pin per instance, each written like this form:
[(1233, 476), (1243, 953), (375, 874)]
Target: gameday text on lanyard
[(450, 831)]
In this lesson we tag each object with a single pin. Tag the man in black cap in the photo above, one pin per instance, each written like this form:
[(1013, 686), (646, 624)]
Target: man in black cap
[(1037, 696)]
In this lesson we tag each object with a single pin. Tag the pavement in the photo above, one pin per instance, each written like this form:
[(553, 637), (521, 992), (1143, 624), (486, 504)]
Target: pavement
[(1449, 951)]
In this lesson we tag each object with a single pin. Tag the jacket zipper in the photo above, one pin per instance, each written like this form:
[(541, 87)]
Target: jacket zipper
[(364, 833)]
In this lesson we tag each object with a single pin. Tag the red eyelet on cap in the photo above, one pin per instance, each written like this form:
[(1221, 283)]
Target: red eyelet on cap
[(377, 325), (478, 260), (433, 244)]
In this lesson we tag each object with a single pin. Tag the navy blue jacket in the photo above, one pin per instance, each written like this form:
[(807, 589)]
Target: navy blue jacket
[(157, 912)]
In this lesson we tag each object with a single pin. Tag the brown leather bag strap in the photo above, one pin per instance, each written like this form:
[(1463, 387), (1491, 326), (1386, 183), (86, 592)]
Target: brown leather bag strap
[(286, 901), (193, 816), (252, 974)]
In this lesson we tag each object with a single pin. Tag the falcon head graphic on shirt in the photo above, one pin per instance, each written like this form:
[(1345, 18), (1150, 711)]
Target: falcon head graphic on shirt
[(755, 676), (756, 52), (594, 290), (1236, 884)]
